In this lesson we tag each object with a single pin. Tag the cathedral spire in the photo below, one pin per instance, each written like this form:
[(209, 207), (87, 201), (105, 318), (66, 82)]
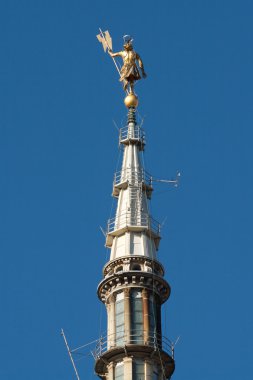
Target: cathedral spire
[(133, 287), (132, 231)]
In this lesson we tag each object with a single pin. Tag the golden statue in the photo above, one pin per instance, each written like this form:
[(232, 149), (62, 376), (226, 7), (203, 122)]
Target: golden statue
[(129, 72)]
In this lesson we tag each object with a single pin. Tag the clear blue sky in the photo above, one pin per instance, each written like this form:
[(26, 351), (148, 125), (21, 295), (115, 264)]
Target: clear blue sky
[(59, 95)]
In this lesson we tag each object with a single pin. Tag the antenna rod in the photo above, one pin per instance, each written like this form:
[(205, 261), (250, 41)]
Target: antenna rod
[(69, 352), (165, 180), (175, 181)]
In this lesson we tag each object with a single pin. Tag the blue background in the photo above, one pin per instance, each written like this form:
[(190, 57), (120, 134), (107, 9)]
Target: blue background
[(59, 95)]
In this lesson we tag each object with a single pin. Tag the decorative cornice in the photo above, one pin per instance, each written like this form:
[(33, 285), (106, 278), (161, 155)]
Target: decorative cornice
[(133, 279), (125, 261)]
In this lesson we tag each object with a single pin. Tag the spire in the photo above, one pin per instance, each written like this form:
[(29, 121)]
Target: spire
[(133, 287), (132, 231)]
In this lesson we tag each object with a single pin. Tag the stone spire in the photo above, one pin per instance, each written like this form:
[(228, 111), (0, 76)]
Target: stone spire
[(132, 231), (133, 288)]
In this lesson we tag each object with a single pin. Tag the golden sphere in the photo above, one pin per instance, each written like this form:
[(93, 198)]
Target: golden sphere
[(131, 100)]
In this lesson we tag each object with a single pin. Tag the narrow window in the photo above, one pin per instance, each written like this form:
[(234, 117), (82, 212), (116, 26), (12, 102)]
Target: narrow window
[(138, 370), (136, 267), (137, 317), (119, 319), (119, 371)]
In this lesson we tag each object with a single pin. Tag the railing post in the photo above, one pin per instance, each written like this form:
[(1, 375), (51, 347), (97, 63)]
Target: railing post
[(100, 346), (155, 339)]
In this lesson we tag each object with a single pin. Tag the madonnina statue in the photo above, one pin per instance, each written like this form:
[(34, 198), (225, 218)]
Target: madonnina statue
[(129, 72)]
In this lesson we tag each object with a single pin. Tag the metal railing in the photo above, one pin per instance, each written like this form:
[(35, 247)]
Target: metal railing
[(131, 220), (133, 133), (133, 175), (114, 341)]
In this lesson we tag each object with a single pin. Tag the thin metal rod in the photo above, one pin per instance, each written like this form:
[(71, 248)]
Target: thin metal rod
[(165, 180), (69, 352), (175, 181), (85, 345)]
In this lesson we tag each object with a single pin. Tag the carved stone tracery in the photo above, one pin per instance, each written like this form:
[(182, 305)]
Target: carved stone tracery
[(146, 264), (121, 281)]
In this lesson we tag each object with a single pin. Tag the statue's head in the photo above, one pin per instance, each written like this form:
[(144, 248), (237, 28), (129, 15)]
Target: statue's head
[(128, 46), (128, 42)]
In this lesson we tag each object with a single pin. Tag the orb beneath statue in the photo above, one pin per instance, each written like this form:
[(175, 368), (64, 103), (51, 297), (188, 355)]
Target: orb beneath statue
[(131, 100)]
